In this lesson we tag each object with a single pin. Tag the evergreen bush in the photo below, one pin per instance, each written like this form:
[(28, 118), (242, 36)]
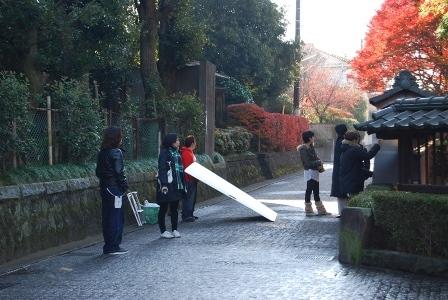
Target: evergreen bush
[(14, 100), (79, 131), (232, 140), (183, 114), (417, 222)]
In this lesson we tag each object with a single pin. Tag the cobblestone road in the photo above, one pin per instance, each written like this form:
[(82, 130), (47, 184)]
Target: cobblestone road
[(231, 253)]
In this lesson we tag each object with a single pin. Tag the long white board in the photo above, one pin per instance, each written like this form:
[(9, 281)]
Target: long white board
[(228, 189)]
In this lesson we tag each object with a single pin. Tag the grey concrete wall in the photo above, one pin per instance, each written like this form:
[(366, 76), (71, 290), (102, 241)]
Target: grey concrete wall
[(38, 216)]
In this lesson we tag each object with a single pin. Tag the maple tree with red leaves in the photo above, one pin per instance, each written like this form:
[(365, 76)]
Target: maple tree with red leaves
[(401, 38), (325, 92)]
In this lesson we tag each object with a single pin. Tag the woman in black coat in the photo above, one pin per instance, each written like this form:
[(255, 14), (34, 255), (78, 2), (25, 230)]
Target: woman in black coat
[(352, 164), (170, 184), (340, 129), (113, 186)]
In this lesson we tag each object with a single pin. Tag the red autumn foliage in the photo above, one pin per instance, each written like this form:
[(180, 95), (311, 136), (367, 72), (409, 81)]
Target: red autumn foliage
[(276, 132), (401, 38)]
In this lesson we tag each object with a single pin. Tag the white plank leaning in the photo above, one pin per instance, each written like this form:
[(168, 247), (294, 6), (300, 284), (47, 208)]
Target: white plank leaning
[(231, 191)]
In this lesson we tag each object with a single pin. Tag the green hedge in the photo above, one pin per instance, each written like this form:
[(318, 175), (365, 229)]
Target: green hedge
[(232, 140), (418, 223), (365, 199), (68, 171)]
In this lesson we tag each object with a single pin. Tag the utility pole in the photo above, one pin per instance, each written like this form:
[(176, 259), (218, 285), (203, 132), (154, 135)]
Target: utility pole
[(296, 97)]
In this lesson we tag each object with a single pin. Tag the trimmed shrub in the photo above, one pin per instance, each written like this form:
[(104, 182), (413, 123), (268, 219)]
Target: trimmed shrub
[(232, 140), (417, 222), (365, 199), (274, 131)]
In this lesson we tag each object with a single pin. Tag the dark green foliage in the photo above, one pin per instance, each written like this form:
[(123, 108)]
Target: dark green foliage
[(365, 199), (232, 140), (236, 92), (69, 171), (409, 222), (14, 97), (417, 222), (245, 42), (183, 114), (80, 121)]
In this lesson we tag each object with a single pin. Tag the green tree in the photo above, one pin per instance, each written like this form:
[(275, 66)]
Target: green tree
[(78, 111), (245, 42), (181, 38), (14, 116)]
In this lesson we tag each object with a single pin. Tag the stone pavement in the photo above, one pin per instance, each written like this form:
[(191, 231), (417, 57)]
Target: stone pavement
[(231, 253)]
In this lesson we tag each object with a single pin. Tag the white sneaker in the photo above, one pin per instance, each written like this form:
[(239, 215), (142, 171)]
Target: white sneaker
[(176, 234), (167, 235)]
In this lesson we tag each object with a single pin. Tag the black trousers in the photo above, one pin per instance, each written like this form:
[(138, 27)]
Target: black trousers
[(112, 219), (312, 186), (174, 215)]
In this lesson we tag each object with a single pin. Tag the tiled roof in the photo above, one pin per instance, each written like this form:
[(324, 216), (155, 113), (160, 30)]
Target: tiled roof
[(409, 113), (404, 82)]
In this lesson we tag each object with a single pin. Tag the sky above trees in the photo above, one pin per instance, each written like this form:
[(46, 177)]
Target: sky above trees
[(336, 27)]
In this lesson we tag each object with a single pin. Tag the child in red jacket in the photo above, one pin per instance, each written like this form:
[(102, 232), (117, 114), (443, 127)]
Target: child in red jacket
[(189, 201)]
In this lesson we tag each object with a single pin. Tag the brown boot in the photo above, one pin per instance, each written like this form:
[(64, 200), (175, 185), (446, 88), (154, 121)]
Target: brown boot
[(309, 209), (321, 211)]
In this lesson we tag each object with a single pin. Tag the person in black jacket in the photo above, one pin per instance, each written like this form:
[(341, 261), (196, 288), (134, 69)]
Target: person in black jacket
[(352, 164), (113, 186), (340, 129), (170, 184)]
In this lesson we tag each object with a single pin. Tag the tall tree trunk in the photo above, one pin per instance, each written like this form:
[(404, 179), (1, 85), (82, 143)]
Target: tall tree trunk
[(148, 19), (167, 62), (29, 67)]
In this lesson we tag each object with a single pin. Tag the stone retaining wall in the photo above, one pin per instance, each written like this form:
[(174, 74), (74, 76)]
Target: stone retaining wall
[(38, 216)]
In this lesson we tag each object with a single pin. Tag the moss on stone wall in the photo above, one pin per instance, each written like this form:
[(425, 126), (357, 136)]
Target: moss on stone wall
[(351, 246), (42, 215)]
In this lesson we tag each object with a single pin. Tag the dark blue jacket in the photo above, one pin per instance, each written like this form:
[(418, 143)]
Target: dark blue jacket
[(352, 167)]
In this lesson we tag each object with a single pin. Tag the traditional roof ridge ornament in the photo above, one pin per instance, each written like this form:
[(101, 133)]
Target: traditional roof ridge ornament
[(405, 80), (405, 85)]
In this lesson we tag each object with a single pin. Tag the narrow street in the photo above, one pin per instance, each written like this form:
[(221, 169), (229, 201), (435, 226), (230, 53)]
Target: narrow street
[(230, 253)]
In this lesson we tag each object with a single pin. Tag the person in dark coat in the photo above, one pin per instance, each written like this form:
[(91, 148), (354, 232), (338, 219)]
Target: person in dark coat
[(113, 186), (352, 170), (340, 129), (170, 184)]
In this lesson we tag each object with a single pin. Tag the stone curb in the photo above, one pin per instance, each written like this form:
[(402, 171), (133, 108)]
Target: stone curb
[(405, 262)]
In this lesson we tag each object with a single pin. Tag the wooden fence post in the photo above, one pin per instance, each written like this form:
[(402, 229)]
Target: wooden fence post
[(50, 134), (14, 153)]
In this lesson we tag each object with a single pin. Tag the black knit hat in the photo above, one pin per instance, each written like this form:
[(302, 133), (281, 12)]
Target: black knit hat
[(169, 140), (341, 129)]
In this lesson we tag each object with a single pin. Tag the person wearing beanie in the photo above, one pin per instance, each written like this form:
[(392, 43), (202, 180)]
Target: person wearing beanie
[(312, 166), (352, 173), (170, 184), (340, 129)]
